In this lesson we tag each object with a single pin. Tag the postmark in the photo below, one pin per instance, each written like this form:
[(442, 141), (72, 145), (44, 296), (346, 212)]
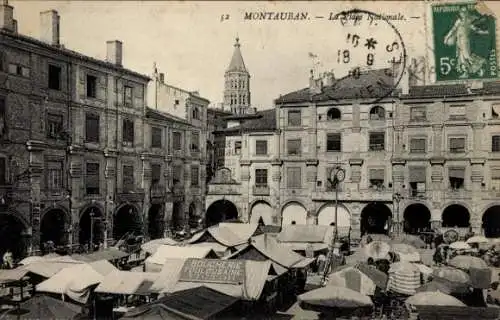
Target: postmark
[(464, 42), (372, 50)]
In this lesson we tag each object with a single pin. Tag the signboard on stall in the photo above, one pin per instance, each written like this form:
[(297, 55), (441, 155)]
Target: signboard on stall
[(213, 271)]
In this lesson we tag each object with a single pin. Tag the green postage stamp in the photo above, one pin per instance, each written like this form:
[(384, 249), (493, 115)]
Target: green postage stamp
[(464, 42)]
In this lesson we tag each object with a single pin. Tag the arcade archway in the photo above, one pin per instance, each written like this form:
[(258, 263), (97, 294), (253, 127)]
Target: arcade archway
[(127, 220), (294, 213), (193, 216), (417, 217), (491, 222), (219, 211), (375, 219), (91, 226), (12, 230), (156, 221), (455, 216), (52, 227), (262, 213), (326, 216), (177, 215)]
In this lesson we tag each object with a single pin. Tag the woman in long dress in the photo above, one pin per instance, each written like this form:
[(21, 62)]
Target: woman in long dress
[(459, 35)]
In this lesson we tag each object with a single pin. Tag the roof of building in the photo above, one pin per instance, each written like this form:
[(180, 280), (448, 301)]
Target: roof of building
[(346, 88), (265, 122), (190, 94), (237, 63), (73, 54), (161, 115), (452, 90)]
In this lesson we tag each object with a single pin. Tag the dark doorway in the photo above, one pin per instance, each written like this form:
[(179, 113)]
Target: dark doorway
[(11, 236), (95, 230), (455, 216), (417, 218), (177, 216), (126, 221), (156, 225), (491, 222), (375, 219), (52, 227), (219, 211), (193, 217)]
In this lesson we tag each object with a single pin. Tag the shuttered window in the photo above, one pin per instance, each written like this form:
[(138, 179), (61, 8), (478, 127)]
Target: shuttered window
[(92, 178), (128, 131), (495, 144), (294, 147), (54, 175), (294, 118), (177, 173), (495, 178), (417, 145), (457, 145), (456, 177), (195, 141), (377, 141), (293, 177), (128, 178), (377, 177), (418, 174), (195, 176), (155, 173), (261, 177), (91, 128), (177, 140), (333, 142), (156, 134), (261, 147)]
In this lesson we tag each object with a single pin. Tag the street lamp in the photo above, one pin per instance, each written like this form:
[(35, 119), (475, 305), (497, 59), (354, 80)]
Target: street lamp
[(396, 197), (337, 175)]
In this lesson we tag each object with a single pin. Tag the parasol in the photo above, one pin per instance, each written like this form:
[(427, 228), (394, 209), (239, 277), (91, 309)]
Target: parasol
[(406, 252), (410, 239), (404, 278), (433, 298), (353, 279), (335, 297), (377, 250), (451, 274), (460, 245), (468, 262), (477, 239)]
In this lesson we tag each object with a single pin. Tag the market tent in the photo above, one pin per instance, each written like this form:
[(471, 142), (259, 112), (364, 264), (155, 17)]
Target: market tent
[(155, 262), (109, 254), (127, 282), (433, 298), (74, 282), (48, 268), (10, 275), (43, 307), (104, 267), (296, 233), (157, 312), (200, 303), (243, 279), (227, 234), (335, 297), (152, 245), (353, 279)]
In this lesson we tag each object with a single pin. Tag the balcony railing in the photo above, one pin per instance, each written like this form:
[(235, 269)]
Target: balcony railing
[(261, 190)]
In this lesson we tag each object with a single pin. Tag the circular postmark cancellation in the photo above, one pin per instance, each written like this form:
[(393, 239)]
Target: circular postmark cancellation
[(372, 52)]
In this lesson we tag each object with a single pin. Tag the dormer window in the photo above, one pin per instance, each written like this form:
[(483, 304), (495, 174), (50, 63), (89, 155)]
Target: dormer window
[(334, 114), (377, 113)]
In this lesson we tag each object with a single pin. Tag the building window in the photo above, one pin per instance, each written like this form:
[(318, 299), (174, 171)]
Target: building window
[(457, 145), (417, 180), (377, 178), (195, 176), (377, 113), (177, 174), (196, 113), (91, 128), (156, 134), (237, 147), (334, 142), (495, 179), (261, 147), (195, 141), (294, 147), (177, 140), (54, 77), (333, 114), (128, 178), (54, 175), (294, 118), (377, 141), (3, 171), (495, 144), (128, 131), (3, 119), (155, 173), (92, 178), (19, 70), (54, 125), (456, 177), (261, 177), (293, 177), (418, 114), (457, 112), (127, 96), (91, 86), (417, 145)]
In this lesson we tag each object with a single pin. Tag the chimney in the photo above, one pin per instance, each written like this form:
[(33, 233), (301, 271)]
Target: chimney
[(6, 16), (162, 78), (114, 52), (49, 26), (328, 79)]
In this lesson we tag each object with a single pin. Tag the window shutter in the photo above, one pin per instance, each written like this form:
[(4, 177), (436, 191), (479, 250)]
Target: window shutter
[(457, 143)]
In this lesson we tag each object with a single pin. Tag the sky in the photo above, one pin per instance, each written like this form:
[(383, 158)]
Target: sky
[(193, 47)]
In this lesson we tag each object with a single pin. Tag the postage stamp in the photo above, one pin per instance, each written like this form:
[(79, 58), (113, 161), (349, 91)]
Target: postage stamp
[(464, 42)]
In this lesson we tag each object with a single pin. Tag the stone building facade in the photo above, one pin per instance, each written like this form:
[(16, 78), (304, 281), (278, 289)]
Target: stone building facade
[(79, 147), (422, 157)]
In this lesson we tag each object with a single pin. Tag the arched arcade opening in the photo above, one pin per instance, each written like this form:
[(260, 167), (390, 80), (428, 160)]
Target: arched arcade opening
[(127, 220), (416, 218), (194, 218), (455, 216), (52, 227), (262, 213), (156, 221), (293, 213), (375, 219), (219, 211), (12, 236), (491, 222), (326, 216), (91, 226)]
